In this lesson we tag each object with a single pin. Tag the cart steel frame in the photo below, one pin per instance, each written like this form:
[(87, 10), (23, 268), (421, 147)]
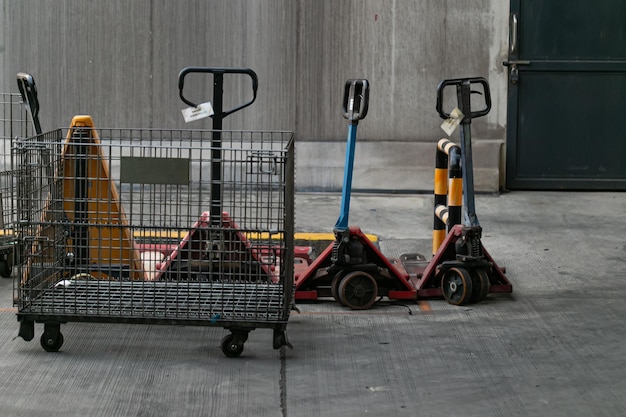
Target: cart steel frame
[(117, 228)]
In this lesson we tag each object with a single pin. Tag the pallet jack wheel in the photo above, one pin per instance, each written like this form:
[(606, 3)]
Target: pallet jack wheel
[(334, 285), (51, 342), (358, 290), (456, 285), (480, 284)]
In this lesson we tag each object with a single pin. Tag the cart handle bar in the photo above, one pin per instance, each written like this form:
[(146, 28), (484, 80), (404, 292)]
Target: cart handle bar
[(28, 90), (463, 90), (356, 100), (220, 72)]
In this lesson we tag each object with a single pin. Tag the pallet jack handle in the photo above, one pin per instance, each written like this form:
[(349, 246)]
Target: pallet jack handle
[(355, 106), (218, 89), (28, 90), (218, 115), (355, 100), (463, 93)]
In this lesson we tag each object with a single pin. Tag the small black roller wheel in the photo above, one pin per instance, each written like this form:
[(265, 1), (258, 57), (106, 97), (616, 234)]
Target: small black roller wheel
[(280, 339), (456, 285), (230, 347), (6, 268), (480, 284), (51, 342)]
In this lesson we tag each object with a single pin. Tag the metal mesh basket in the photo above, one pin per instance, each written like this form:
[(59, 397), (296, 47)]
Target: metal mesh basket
[(14, 124), (156, 226)]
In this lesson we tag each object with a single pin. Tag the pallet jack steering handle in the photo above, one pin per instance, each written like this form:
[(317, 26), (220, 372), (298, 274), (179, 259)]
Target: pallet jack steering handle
[(464, 91), (218, 116), (355, 105), (28, 90), (356, 100), (218, 83)]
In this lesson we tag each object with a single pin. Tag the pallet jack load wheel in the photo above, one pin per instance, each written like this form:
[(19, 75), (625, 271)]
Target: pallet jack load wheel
[(480, 284), (334, 285), (456, 285), (358, 290)]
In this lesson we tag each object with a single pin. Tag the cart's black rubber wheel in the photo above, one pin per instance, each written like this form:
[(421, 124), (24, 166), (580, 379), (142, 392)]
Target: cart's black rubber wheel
[(230, 348), (51, 342), (280, 339), (5, 268), (358, 290), (480, 284), (456, 285)]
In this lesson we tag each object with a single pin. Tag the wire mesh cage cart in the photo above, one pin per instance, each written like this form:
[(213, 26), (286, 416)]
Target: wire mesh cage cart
[(155, 226), (14, 123)]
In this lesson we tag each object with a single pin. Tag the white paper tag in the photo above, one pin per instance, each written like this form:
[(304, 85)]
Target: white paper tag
[(196, 113), (450, 124)]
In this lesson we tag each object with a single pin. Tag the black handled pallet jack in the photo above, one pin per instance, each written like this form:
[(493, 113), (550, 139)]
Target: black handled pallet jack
[(462, 270)]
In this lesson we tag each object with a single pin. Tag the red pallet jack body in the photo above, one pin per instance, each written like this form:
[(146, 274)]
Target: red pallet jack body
[(354, 271), (428, 284), (322, 277), (410, 277)]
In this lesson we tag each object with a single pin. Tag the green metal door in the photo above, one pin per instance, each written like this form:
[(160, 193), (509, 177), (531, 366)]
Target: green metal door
[(566, 123)]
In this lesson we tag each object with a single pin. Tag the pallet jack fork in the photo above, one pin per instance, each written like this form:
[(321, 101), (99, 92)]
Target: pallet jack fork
[(354, 271)]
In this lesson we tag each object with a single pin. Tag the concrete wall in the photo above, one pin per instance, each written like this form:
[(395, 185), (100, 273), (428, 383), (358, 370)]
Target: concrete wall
[(119, 61)]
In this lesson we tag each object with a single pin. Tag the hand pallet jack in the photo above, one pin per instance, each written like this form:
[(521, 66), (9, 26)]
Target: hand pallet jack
[(354, 271), (461, 270)]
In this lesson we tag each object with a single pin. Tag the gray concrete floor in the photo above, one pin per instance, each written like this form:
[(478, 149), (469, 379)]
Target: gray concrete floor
[(555, 347)]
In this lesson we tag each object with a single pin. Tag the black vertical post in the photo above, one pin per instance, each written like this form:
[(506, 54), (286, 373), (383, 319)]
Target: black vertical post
[(219, 114), (464, 91), (80, 139), (216, 150)]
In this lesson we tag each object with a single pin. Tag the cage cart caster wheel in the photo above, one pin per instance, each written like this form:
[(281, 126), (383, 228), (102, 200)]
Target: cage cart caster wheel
[(280, 339), (6, 268), (232, 344), (358, 290), (230, 348), (51, 342), (456, 286), (480, 284)]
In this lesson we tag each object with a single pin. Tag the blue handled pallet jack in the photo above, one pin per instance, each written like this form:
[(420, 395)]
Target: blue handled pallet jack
[(352, 269)]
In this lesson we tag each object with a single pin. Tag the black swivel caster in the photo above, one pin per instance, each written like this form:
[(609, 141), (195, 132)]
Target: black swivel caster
[(52, 338)]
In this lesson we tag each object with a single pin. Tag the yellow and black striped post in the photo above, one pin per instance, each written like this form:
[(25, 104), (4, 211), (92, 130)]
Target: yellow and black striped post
[(448, 190), (441, 192)]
